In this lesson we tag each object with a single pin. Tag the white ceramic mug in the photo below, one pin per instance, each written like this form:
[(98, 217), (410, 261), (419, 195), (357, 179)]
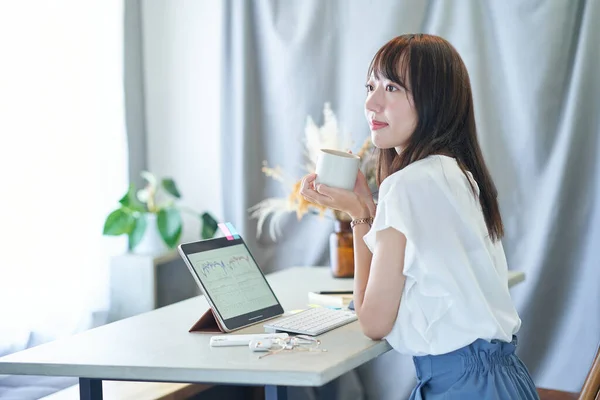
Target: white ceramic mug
[(337, 169)]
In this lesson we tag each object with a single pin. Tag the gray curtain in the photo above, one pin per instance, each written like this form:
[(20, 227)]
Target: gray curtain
[(533, 69), (133, 81)]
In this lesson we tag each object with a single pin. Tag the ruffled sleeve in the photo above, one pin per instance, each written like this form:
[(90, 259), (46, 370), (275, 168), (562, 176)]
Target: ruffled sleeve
[(391, 212)]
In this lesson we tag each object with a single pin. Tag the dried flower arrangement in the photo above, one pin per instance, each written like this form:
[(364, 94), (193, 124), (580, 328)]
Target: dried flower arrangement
[(326, 136)]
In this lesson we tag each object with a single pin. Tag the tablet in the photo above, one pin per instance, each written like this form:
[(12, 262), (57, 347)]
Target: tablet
[(231, 281)]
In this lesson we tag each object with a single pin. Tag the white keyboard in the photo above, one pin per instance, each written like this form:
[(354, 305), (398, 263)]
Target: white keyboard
[(313, 321)]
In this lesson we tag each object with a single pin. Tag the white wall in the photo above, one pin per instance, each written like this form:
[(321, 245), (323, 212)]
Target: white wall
[(181, 52)]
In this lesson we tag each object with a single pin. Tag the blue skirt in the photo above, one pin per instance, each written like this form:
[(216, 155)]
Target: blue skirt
[(479, 371)]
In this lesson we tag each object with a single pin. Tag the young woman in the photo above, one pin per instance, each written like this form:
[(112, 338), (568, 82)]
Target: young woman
[(430, 270)]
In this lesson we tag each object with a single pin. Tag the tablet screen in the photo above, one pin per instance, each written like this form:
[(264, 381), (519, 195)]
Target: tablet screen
[(233, 280), (230, 277)]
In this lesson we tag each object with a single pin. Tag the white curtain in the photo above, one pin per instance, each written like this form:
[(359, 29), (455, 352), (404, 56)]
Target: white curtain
[(63, 164)]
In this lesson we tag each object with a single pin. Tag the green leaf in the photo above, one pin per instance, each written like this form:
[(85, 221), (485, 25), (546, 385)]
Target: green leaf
[(209, 226), (170, 226), (125, 199), (171, 187), (131, 201), (118, 222), (137, 233)]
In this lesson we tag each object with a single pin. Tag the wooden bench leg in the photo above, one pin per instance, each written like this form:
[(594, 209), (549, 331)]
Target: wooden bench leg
[(90, 389), (275, 392)]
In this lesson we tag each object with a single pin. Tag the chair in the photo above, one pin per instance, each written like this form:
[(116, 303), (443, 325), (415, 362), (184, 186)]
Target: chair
[(589, 391)]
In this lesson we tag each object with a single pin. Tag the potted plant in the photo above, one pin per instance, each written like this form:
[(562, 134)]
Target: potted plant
[(151, 216)]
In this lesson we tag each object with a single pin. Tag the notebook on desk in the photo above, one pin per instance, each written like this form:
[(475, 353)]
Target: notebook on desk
[(338, 299)]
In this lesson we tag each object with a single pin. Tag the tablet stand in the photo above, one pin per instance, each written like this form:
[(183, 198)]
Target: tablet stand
[(207, 323)]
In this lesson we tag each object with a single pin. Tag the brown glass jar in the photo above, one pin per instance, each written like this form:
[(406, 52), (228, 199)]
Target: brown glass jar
[(341, 250)]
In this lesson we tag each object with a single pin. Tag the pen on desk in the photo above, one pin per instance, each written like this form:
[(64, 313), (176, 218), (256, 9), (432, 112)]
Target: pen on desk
[(336, 292)]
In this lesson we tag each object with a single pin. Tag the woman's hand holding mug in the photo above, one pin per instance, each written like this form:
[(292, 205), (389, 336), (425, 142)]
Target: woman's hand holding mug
[(339, 184)]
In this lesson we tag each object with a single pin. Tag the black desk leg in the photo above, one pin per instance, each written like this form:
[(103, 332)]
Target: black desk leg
[(90, 389), (275, 392)]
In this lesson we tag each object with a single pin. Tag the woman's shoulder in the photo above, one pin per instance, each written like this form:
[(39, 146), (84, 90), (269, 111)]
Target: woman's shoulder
[(418, 173)]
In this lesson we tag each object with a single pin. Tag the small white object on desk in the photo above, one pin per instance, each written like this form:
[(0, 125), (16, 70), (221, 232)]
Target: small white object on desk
[(243, 340), (260, 345)]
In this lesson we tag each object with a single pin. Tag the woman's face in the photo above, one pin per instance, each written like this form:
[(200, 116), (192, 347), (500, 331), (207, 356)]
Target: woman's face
[(390, 112)]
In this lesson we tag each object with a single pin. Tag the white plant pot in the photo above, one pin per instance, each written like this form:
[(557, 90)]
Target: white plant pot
[(151, 242)]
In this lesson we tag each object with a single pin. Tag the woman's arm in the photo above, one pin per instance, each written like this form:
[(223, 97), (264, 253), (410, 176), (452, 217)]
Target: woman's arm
[(362, 266), (378, 280)]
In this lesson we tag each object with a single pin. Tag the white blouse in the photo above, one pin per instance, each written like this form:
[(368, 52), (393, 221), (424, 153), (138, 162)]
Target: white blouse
[(456, 288)]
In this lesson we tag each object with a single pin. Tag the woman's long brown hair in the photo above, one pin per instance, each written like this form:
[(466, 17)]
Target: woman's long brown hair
[(441, 90)]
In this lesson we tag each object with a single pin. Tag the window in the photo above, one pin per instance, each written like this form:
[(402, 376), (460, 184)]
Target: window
[(62, 163)]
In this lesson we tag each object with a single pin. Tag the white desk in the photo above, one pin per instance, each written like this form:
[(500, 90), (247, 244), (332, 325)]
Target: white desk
[(156, 346)]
